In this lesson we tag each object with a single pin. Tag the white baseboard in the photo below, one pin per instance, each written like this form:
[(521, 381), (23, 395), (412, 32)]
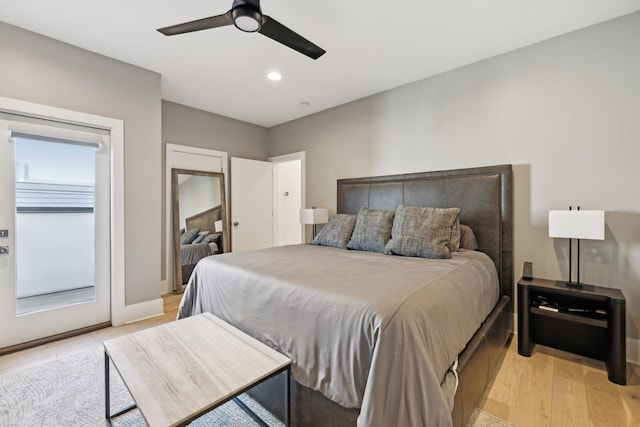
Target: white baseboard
[(143, 310), (164, 286), (633, 351)]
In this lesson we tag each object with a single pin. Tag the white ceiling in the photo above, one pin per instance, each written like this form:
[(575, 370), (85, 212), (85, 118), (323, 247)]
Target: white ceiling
[(371, 45)]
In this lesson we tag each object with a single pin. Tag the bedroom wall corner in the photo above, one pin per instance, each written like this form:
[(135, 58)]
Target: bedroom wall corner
[(633, 351), (563, 112)]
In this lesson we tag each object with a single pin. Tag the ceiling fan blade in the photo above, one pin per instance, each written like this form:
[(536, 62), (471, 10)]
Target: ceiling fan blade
[(278, 32), (199, 24)]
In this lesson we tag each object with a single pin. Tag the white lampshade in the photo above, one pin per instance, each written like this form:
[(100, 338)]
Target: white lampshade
[(314, 216), (576, 224), (218, 226)]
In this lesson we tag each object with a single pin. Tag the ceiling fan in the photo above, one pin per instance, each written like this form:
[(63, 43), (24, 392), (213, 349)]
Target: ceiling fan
[(247, 16)]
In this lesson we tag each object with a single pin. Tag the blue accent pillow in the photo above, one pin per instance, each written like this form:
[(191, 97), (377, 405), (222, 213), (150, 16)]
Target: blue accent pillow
[(201, 236)]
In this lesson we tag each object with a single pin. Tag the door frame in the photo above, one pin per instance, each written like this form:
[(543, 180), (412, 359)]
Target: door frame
[(116, 135), (170, 151)]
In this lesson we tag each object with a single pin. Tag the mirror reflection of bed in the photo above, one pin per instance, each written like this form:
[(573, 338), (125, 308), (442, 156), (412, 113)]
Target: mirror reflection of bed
[(199, 220)]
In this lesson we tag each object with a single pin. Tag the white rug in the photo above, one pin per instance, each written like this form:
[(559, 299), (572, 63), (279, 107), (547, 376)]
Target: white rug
[(483, 419), (70, 392)]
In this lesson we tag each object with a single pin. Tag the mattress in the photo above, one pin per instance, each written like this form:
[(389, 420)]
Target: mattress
[(367, 330)]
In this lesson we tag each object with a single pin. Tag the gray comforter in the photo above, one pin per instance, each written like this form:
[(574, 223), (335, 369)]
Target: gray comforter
[(194, 252), (367, 330)]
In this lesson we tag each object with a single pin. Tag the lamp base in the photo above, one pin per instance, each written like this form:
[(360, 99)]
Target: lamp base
[(575, 285)]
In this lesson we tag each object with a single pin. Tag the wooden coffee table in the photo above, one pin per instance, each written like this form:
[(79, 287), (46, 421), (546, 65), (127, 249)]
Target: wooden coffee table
[(179, 371)]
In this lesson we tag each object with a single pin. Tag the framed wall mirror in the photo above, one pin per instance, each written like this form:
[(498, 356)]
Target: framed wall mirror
[(200, 227)]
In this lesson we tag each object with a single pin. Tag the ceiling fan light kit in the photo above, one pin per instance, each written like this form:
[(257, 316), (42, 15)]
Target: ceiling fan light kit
[(246, 15), (246, 18)]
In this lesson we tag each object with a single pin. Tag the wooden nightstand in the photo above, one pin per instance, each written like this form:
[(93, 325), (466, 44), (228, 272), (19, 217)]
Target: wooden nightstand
[(589, 321)]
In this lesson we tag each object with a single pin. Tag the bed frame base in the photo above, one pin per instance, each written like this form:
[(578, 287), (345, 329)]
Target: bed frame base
[(480, 361), (309, 408), (477, 367)]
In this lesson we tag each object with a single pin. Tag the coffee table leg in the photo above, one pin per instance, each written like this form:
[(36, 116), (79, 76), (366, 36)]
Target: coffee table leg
[(107, 403), (107, 395), (287, 397)]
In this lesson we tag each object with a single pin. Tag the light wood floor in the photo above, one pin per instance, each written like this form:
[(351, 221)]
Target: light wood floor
[(55, 350), (555, 388), (550, 388)]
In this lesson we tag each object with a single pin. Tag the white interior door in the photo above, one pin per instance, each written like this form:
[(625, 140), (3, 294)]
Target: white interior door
[(55, 262), (251, 204), (287, 202)]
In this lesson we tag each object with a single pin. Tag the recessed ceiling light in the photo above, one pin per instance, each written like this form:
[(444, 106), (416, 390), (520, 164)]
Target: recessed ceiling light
[(305, 104), (274, 76)]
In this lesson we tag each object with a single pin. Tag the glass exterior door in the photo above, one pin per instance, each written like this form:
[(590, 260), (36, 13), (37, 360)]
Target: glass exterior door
[(55, 205)]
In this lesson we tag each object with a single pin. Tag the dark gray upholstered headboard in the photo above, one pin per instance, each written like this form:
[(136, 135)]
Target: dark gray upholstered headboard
[(484, 195)]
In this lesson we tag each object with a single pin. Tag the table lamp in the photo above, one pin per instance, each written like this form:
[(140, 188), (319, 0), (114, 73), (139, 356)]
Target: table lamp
[(576, 224), (314, 216)]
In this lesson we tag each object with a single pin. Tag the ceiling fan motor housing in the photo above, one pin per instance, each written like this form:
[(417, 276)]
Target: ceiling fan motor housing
[(247, 15)]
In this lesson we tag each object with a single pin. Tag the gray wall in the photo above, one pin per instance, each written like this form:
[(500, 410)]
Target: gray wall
[(189, 126), (565, 112), (41, 70)]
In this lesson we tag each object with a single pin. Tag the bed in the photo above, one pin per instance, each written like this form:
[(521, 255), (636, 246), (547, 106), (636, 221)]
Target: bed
[(193, 250), (365, 358)]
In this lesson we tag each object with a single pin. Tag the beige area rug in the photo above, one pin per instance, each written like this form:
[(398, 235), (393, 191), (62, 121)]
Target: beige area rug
[(70, 392)]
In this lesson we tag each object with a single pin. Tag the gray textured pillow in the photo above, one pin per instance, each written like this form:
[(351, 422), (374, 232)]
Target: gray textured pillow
[(336, 232), (212, 238), (468, 238), (422, 231), (372, 230), (189, 236), (454, 243)]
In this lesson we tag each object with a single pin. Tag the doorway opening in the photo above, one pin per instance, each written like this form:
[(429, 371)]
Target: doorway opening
[(287, 202), (266, 198)]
